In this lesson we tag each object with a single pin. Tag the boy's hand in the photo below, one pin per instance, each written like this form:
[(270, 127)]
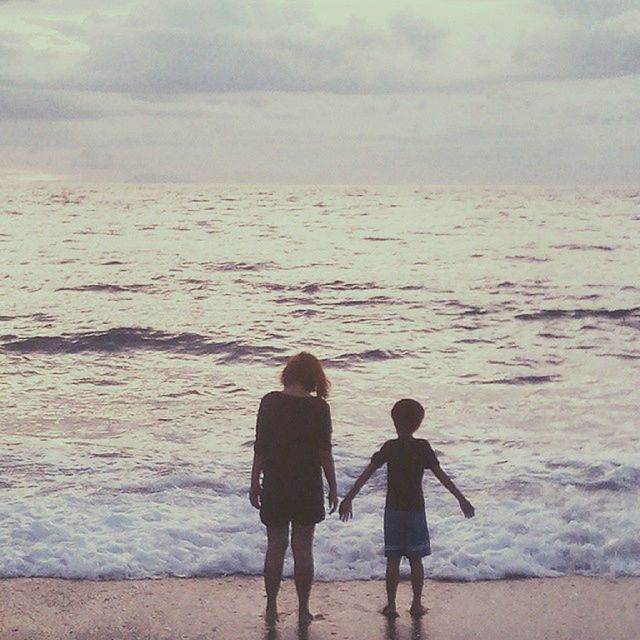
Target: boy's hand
[(467, 508), (332, 498), (255, 494), (345, 510)]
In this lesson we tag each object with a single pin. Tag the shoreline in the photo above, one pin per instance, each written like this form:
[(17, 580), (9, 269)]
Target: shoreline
[(562, 608)]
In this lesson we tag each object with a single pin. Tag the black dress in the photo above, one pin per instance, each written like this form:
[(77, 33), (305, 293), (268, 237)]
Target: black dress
[(290, 433)]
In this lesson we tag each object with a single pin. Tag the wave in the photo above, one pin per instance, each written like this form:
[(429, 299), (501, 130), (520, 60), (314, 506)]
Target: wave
[(125, 339), (463, 310), (597, 476), (133, 339), (584, 247), (37, 317), (335, 285), (197, 483), (110, 288), (621, 356), (358, 303), (340, 285), (372, 355), (239, 266), (528, 258), (294, 300), (195, 532), (64, 197), (554, 314), (521, 380), (620, 479)]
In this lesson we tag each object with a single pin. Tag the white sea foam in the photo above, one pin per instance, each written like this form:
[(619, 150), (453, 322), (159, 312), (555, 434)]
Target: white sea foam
[(187, 533)]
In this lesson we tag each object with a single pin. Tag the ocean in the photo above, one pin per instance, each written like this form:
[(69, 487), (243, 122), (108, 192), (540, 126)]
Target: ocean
[(141, 324)]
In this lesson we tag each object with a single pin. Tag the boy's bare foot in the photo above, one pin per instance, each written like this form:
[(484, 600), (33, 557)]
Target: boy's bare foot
[(390, 612), (305, 616), (418, 610), (271, 615)]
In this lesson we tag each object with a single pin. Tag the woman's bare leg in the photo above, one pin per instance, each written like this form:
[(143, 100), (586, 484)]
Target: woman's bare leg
[(302, 547), (277, 542)]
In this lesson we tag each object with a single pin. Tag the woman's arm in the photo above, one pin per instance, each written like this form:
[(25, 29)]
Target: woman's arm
[(328, 466), (256, 490), (346, 509)]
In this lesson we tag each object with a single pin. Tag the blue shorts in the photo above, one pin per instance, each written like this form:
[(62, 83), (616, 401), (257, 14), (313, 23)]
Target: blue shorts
[(406, 534)]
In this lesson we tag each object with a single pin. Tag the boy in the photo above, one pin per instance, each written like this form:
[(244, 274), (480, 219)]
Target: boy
[(405, 524)]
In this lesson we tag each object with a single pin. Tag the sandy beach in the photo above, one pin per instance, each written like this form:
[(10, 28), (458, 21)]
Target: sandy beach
[(220, 608)]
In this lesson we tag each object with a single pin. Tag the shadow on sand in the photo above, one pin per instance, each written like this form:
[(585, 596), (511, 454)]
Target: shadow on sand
[(389, 630)]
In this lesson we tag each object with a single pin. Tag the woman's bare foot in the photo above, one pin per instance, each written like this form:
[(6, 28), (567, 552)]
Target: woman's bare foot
[(390, 612), (271, 615), (418, 610)]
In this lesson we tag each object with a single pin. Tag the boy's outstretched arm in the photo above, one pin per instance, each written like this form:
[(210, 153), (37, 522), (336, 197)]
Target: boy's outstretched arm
[(346, 510), (465, 505)]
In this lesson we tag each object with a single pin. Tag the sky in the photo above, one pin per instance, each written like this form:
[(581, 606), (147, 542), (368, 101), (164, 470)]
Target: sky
[(321, 92)]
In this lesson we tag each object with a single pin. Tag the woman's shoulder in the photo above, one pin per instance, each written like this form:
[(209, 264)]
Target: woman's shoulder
[(279, 397), (272, 395)]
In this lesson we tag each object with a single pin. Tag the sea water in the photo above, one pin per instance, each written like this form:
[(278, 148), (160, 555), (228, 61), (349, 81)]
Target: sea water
[(140, 326)]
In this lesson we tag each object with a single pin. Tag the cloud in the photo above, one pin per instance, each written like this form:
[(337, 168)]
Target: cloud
[(156, 50), (202, 46), (587, 9), (223, 90), (36, 105), (55, 105), (605, 48), (417, 32)]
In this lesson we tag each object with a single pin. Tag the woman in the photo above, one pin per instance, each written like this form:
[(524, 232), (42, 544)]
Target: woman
[(292, 448)]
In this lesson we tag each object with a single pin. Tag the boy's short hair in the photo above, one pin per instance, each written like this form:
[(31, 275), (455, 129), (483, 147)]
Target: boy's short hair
[(407, 414)]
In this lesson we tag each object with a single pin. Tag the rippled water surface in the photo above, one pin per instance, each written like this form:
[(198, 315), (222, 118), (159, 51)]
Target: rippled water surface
[(140, 325)]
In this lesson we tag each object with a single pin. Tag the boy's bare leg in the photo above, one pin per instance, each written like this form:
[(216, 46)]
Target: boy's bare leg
[(417, 582), (302, 547), (392, 579), (277, 541)]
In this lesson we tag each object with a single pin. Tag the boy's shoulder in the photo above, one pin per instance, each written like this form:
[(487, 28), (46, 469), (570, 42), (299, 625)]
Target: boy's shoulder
[(418, 444), (425, 446), (412, 446), (415, 442)]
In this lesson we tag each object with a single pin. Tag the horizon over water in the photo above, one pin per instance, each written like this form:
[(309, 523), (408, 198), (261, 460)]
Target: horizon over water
[(141, 324)]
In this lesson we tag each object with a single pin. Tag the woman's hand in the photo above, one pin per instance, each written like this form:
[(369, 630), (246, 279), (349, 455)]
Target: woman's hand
[(255, 497), (332, 498)]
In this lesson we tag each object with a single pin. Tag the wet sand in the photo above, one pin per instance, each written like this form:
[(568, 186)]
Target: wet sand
[(571, 608)]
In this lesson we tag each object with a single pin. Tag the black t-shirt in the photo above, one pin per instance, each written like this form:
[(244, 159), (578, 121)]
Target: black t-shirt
[(406, 460), (290, 433)]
